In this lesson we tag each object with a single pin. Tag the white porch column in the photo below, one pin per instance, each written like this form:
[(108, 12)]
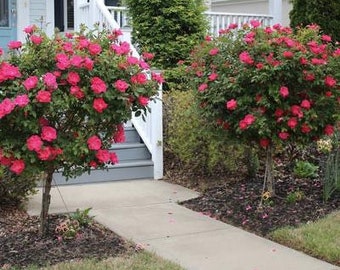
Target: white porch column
[(275, 9)]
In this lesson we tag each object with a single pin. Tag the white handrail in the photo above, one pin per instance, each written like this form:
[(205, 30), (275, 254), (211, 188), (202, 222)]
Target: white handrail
[(120, 14), (221, 20), (90, 12)]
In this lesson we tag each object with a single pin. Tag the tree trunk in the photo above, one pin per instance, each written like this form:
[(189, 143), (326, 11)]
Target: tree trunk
[(268, 181), (46, 199)]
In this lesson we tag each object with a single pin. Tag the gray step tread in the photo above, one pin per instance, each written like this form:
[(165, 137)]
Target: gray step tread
[(132, 163), (126, 145)]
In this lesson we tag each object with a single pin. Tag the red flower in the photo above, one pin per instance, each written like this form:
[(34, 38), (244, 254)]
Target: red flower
[(17, 166), (48, 133), (255, 23), (231, 104), (278, 112), (34, 143), (249, 119), (73, 78), (305, 104), (76, 61), (99, 104), (121, 85), (202, 87), (94, 143), (62, 61), (283, 135), (259, 66), (44, 153), (328, 93), (30, 29), (328, 130), (264, 142), (103, 155), (292, 122), (94, 48), (144, 101), (140, 78), (98, 85), (243, 125), (284, 92), (303, 61), (148, 56), (326, 38), (6, 107), (288, 54), (330, 81), (246, 58), (113, 158), (308, 76), (44, 96), (305, 128), (88, 63), (31, 82)]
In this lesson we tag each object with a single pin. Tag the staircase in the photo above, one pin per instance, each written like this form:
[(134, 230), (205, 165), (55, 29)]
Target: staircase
[(134, 163)]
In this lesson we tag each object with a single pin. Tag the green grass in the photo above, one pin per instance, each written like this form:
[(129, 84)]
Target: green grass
[(320, 239), (137, 261)]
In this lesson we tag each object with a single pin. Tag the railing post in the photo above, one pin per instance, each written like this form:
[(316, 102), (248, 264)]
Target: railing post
[(92, 13), (157, 136)]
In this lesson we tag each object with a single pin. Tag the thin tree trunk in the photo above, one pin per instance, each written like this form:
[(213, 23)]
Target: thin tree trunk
[(268, 181), (46, 199)]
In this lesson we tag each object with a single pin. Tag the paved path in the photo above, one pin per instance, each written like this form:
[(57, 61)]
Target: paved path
[(146, 212)]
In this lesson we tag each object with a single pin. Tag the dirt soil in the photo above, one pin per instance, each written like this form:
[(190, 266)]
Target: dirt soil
[(21, 245)]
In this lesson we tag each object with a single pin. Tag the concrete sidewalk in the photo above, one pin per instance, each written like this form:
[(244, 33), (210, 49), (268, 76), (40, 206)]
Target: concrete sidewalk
[(146, 212)]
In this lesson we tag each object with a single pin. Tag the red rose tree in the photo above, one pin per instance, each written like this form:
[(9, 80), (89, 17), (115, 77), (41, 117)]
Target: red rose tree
[(63, 102), (269, 86)]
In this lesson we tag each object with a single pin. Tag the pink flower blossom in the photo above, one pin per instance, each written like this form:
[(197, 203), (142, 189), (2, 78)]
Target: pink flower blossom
[(103, 155), (148, 56), (328, 130), (330, 81), (21, 100), (77, 92), (132, 60), (231, 104), (13, 45), (6, 107), (44, 153), (34, 143), (246, 58), (283, 135), (113, 158), (99, 104), (202, 87), (98, 85), (94, 143), (305, 128), (292, 122), (214, 51), (121, 85), (264, 142), (122, 49), (255, 23), (94, 49), (83, 43), (157, 77), (144, 101), (30, 29), (31, 82), (48, 133), (119, 136), (36, 40), (50, 81), (278, 112), (17, 166), (88, 63), (288, 54), (326, 38), (296, 111), (73, 78), (63, 61), (284, 91), (76, 61), (44, 96), (318, 62), (213, 76), (249, 119), (233, 26), (140, 78), (305, 104)]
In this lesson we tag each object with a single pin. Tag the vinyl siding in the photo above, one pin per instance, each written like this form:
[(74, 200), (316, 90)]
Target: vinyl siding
[(38, 12)]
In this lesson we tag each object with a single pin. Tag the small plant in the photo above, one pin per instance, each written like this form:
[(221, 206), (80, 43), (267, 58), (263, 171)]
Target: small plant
[(67, 229), (295, 196), (305, 169), (82, 217)]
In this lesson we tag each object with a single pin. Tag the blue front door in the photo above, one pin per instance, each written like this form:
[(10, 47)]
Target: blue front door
[(8, 22)]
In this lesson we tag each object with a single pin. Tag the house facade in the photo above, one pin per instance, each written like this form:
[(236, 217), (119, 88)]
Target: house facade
[(15, 15), (279, 9)]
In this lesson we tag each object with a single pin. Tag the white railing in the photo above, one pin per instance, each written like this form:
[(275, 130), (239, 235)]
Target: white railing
[(220, 20), (90, 12), (151, 131), (120, 14)]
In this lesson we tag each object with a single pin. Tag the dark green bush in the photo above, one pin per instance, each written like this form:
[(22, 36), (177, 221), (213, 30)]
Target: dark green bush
[(192, 141), (169, 29), (14, 189), (325, 13)]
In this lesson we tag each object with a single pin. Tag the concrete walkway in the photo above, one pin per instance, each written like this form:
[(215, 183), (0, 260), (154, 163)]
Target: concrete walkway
[(146, 212)]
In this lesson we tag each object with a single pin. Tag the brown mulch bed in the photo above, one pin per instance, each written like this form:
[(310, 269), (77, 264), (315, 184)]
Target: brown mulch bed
[(21, 245)]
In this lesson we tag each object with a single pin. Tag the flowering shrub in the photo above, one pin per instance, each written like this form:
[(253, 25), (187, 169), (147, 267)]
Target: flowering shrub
[(63, 100), (269, 85)]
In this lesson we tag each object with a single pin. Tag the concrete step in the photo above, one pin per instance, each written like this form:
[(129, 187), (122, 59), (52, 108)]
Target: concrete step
[(131, 151), (124, 170)]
